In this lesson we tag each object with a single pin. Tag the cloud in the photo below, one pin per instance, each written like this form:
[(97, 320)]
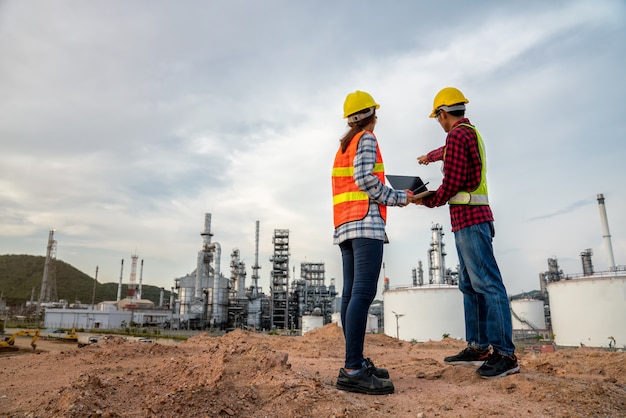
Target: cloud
[(122, 125), (570, 208)]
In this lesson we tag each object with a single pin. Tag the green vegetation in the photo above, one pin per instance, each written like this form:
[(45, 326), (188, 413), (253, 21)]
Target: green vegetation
[(533, 294), (20, 274), (141, 332)]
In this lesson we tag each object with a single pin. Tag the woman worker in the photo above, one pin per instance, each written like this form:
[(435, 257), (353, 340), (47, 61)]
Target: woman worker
[(360, 200)]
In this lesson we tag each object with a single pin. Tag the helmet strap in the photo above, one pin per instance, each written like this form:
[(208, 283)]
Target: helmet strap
[(360, 116), (460, 106)]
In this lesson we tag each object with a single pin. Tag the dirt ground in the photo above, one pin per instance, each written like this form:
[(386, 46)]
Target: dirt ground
[(244, 374)]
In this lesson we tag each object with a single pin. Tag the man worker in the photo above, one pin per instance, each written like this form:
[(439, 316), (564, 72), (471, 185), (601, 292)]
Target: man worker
[(464, 187)]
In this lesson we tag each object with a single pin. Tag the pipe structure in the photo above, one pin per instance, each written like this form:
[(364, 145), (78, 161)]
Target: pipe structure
[(605, 232)]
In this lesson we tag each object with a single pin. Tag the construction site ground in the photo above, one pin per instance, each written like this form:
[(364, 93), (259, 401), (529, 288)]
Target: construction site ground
[(243, 374)]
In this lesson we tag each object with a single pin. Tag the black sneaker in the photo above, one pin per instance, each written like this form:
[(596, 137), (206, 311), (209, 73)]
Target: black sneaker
[(364, 382), (379, 372), (469, 356), (498, 366)]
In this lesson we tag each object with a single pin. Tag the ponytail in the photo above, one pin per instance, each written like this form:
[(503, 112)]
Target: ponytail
[(355, 127)]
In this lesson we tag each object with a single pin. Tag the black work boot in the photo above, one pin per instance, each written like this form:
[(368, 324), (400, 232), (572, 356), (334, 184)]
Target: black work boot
[(469, 356), (498, 365), (364, 382), (379, 372)]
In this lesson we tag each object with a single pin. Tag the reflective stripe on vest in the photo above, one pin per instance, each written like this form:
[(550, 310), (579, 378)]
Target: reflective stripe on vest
[(478, 196), (349, 202)]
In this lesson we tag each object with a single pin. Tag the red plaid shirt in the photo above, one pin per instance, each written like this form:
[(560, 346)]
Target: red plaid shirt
[(461, 172)]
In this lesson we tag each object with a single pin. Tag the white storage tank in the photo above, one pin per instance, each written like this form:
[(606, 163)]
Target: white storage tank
[(336, 318), (310, 322), (424, 313), (589, 311), (528, 314), (372, 324)]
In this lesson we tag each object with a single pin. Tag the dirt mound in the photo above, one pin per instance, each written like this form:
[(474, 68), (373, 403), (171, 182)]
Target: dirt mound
[(259, 375)]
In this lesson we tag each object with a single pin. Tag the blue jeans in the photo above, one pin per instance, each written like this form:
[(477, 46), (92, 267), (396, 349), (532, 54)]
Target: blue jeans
[(486, 304), (362, 259)]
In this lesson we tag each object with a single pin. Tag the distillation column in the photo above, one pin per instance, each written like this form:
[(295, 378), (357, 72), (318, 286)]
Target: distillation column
[(585, 257), (211, 289), (254, 306), (238, 274), (436, 254), (418, 274), (256, 267)]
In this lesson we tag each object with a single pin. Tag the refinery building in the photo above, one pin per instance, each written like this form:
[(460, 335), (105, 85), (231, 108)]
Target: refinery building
[(568, 310)]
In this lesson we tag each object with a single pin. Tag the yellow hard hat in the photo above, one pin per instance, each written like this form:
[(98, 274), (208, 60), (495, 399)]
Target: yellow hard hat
[(357, 101), (448, 97)]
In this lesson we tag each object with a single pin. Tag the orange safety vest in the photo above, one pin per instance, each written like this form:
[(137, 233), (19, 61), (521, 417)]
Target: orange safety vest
[(349, 202)]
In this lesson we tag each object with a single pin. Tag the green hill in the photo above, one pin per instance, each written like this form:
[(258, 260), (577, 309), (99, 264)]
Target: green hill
[(20, 274)]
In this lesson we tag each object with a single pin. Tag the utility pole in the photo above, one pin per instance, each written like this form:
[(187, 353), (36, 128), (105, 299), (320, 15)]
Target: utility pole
[(397, 324)]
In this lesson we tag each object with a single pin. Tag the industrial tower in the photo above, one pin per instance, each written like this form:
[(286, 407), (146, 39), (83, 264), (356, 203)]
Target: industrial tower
[(132, 283), (48, 291), (310, 295), (238, 302), (256, 267), (437, 271), (436, 256), (256, 302), (279, 277)]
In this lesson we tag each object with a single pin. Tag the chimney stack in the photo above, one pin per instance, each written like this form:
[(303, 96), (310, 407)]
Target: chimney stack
[(605, 232)]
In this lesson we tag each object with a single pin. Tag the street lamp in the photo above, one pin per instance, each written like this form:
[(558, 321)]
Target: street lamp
[(397, 324)]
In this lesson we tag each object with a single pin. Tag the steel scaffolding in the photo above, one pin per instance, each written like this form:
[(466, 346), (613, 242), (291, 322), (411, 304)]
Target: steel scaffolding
[(280, 279)]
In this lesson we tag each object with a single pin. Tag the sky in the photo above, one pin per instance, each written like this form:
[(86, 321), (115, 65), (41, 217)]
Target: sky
[(123, 122)]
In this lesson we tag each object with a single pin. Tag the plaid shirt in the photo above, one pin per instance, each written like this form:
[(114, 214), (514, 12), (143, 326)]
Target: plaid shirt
[(373, 225), (461, 172)]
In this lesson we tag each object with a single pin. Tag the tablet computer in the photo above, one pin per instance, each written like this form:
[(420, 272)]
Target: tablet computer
[(412, 183)]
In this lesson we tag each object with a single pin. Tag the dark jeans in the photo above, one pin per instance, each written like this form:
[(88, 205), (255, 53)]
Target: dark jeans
[(362, 259), (486, 304)]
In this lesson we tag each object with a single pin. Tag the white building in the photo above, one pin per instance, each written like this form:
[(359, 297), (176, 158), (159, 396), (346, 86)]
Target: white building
[(424, 313), (103, 319)]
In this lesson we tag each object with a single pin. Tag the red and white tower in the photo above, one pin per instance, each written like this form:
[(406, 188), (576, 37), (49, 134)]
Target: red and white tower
[(132, 285)]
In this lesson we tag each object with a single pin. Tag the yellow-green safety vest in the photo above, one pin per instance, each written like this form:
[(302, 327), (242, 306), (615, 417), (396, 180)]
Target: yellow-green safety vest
[(479, 195)]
